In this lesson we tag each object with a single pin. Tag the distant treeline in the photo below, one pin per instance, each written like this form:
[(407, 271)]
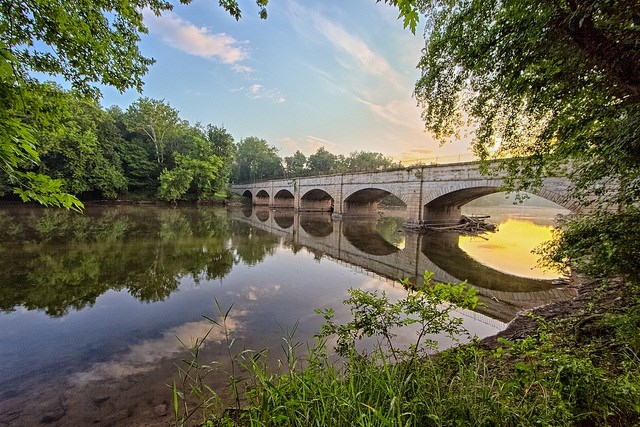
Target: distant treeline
[(148, 151)]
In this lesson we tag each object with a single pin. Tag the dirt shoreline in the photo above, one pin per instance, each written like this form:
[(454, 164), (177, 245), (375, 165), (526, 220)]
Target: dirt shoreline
[(525, 323)]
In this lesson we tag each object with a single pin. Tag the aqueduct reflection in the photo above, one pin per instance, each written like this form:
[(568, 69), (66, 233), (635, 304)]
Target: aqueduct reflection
[(381, 247)]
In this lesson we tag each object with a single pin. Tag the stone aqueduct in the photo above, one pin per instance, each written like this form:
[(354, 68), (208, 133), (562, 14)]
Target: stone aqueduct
[(432, 194)]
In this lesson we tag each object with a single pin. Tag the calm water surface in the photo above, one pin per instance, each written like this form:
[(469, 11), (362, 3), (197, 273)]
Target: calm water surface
[(94, 306)]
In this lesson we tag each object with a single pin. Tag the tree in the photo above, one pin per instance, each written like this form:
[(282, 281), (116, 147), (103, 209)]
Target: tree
[(81, 150), (140, 168), (196, 167), (322, 162), (549, 83), (86, 43), (367, 161), (255, 159), (560, 84), (223, 147), (156, 120), (295, 165)]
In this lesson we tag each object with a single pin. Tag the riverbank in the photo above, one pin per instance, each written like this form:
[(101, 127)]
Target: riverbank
[(565, 364)]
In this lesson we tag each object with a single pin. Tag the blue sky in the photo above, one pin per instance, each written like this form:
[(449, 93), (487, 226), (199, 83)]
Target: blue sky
[(331, 73)]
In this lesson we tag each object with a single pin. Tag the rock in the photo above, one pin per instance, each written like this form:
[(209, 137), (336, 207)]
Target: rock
[(160, 410)]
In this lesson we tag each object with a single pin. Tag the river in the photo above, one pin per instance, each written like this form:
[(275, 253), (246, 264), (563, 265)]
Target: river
[(95, 307)]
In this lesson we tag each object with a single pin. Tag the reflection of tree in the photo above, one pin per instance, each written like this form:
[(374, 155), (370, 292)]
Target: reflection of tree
[(57, 260), (390, 228), (252, 244)]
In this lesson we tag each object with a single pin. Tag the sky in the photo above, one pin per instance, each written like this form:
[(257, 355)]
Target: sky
[(332, 73)]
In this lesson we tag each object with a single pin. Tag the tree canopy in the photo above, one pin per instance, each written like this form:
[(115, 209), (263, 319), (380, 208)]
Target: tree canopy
[(545, 83), (85, 42), (554, 82)]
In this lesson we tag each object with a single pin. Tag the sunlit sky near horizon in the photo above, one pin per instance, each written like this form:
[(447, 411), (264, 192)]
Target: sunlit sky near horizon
[(338, 74)]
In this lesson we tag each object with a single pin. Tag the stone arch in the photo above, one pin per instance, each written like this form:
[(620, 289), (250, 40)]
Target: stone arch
[(445, 205), (316, 200), (283, 199), (262, 198), (364, 201), (247, 193)]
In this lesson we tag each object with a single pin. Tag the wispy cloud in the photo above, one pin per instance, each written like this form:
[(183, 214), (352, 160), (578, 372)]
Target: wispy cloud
[(257, 91), (308, 144), (359, 51), (198, 41)]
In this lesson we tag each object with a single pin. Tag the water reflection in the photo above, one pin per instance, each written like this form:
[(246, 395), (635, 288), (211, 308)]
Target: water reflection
[(99, 298), (381, 246), (56, 261), (516, 237), (143, 356), (316, 224), (364, 235), (445, 251), (284, 219)]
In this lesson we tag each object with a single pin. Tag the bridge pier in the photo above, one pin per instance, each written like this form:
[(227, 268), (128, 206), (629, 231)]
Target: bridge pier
[(316, 205), (443, 215), (360, 209)]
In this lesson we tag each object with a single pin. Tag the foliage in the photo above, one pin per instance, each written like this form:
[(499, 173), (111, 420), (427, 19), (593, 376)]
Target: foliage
[(156, 120), (429, 307), (362, 161), (255, 159), (409, 12), (59, 261), (97, 153), (603, 244), (295, 165), (87, 43), (322, 162), (198, 170), (223, 147), (82, 148), (53, 38), (543, 379), (554, 85)]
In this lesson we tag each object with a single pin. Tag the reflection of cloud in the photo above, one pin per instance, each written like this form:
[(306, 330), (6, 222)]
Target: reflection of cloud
[(255, 293), (144, 356), (197, 41)]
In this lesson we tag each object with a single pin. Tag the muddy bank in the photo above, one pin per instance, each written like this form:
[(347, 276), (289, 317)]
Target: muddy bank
[(589, 291)]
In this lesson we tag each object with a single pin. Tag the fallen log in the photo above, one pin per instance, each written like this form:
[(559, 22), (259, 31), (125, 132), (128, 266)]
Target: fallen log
[(467, 224)]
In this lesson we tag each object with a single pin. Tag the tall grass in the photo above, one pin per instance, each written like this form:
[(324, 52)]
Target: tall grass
[(542, 380)]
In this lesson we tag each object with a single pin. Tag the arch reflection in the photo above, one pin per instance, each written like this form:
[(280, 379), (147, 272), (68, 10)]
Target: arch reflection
[(444, 251), (364, 236), (284, 219), (317, 224)]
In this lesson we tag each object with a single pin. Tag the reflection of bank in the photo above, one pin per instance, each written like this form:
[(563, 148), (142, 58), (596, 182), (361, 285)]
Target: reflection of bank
[(361, 244)]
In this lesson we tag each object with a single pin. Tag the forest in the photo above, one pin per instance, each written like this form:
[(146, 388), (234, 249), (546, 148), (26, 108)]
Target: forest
[(149, 152)]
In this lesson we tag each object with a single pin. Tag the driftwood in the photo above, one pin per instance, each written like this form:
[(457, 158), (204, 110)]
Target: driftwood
[(467, 224)]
